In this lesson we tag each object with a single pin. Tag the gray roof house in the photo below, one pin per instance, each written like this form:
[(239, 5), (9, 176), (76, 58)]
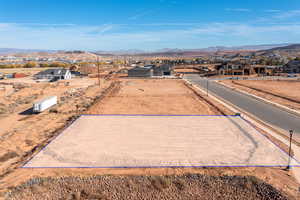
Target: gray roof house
[(54, 74), (140, 72), (292, 67), (163, 70), (151, 70)]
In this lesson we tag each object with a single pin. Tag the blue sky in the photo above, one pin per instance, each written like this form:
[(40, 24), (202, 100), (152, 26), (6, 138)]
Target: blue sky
[(147, 25)]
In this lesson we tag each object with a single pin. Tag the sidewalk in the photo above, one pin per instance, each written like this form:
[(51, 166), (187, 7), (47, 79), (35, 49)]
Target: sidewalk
[(295, 112), (254, 120)]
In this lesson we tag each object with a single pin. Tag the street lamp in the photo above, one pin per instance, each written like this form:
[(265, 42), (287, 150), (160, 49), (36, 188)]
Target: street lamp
[(290, 149)]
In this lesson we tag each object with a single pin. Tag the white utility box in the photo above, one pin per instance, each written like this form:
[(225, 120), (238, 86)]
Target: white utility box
[(44, 104)]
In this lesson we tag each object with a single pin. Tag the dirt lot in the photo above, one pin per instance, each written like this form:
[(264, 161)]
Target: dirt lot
[(157, 141), (155, 96), (29, 71), (17, 99), (130, 96), (22, 132), (283, 92), (186, 71)]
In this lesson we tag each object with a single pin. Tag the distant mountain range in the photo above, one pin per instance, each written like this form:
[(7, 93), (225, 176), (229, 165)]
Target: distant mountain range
[(169, 51), (291, 48), (4, 51), (166, 51), (287, 51), (233, 48)]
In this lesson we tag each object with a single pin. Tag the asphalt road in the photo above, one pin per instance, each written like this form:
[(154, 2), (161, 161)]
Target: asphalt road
[(264, 111), (258, 78)]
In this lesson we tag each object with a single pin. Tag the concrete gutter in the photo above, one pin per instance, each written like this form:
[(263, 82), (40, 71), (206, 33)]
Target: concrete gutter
[(285, 108), (258, 123)]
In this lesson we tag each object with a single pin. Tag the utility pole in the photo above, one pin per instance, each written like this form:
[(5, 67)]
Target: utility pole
[(98, 67), (290, 149)]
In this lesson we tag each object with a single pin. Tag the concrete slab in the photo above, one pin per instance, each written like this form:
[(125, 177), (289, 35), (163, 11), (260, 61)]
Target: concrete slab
[(109, 141)]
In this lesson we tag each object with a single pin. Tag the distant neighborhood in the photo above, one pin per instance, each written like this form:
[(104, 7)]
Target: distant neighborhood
[(281, 61), (41, 91)]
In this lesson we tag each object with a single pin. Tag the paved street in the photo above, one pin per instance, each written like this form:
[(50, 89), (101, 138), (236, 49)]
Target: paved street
[(263, 111), (257, 78)]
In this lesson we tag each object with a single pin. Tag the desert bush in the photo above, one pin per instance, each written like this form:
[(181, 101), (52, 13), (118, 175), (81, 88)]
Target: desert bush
[(160, 182)]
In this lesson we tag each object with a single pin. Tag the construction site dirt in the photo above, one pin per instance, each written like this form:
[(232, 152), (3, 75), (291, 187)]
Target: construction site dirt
[(125, 96), (156, 96)]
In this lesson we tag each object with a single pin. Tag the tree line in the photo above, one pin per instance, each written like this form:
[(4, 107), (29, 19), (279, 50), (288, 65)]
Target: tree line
[(33, 65)]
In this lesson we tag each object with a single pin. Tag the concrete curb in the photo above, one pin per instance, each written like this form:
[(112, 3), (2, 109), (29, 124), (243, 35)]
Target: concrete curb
[(250, 118), (285, 108), (229, 105)]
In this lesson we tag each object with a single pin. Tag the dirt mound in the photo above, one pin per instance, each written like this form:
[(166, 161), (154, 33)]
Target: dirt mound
[(146, 187)]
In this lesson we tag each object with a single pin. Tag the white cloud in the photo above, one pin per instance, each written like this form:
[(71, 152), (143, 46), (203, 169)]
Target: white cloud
[(288, 14), (272, 11), (101, 29), (238, 9), (4, 26), (108, 37)]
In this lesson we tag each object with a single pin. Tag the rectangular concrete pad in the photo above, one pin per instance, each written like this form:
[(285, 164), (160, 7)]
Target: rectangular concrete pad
[(159, 141)]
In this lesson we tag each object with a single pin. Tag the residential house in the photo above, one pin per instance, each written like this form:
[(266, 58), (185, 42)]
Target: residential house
[(54, 74), (163, 70), (292, 67), (140, 72), (245, 69)]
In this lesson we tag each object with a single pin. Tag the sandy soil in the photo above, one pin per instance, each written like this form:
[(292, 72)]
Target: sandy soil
[(19, 97), (28, 80), (289, 89), (6, 90), (153, 96), (92, 70), (150, 141), (23, 70), (230, 76), (36, 131), (22, 132), (186, 70)]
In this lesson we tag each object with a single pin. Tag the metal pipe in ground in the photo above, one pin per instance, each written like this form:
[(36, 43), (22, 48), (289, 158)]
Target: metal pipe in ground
[(290, 150)]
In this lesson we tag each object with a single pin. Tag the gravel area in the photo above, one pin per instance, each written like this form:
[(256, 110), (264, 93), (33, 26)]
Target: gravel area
[(190, 186)]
